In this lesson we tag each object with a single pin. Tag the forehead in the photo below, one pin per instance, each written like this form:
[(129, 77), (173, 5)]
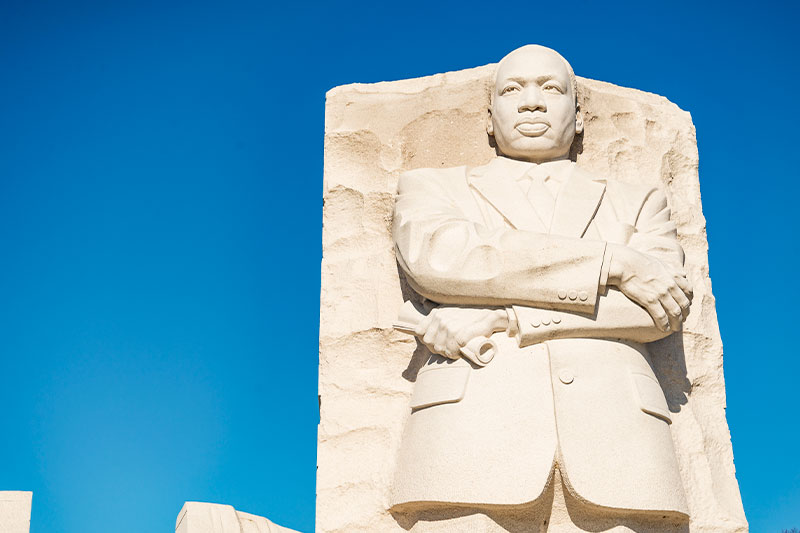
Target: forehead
[(532, 63)]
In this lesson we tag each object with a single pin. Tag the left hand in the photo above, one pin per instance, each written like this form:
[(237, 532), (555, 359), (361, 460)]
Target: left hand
[(446, 329), (661, 290)]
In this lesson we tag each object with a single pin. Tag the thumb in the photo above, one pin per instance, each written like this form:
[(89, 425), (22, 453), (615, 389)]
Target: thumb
[(469, 332)]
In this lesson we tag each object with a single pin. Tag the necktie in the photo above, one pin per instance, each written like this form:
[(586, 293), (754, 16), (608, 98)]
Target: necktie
[(542, 191)]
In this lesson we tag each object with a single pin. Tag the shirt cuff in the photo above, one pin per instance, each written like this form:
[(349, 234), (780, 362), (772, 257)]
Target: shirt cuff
[(513, 324)]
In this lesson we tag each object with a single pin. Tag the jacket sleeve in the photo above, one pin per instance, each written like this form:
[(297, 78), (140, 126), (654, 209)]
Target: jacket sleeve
[(451, 259), (655, 233), (616, 316)]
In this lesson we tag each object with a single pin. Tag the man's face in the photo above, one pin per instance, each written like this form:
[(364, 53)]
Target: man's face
[(533, 115)]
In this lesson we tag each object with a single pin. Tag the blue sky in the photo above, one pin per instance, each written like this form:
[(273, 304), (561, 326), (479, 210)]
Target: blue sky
[(160, 228)]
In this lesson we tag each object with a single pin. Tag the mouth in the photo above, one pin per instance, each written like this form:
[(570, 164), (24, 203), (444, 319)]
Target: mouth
[(532, 129)]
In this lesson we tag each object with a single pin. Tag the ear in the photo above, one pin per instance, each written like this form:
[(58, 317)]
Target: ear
[(578, 121), (489, 126)]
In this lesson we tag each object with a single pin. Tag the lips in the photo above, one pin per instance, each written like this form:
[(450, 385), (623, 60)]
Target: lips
[(532, 129)]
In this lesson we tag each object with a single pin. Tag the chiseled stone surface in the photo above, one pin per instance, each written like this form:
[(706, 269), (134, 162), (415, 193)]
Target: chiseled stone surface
[(15, 511), (373, 134), (199, 517)]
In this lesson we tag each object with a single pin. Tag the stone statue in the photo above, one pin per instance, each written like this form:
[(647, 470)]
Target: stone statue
[(569, 275), (557, 381)]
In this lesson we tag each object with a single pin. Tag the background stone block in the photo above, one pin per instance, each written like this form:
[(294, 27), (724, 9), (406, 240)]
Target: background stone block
[(15, 511), (199, 517)]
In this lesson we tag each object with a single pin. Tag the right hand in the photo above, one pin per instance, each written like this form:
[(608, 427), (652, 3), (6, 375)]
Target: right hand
[(663, 291), (447, 329)]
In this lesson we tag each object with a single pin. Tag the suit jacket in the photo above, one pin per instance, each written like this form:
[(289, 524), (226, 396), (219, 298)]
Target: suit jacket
[(574, 387)]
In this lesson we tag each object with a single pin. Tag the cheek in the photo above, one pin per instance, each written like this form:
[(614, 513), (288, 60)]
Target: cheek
[(505, 123), (504, 110), (566, 114)]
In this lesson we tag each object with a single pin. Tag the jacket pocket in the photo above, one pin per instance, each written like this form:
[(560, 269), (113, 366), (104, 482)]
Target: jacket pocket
[(437, 384), (651, 397)]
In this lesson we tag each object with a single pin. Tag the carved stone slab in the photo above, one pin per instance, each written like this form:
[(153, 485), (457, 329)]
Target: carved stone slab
[(375, 132), (15, 511), (198, 517)]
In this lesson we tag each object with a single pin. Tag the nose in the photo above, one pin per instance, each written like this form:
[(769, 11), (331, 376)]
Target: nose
[(532, 99)]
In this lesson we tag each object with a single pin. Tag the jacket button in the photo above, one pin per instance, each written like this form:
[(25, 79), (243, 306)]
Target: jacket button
[(562, 294), (556, 319), (546, 321), (535, 322), (573, 294), (566, 377), (583, 295)]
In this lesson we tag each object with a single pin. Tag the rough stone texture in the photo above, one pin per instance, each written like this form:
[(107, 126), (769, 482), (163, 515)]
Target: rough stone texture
[(15, 511), (375, 132)]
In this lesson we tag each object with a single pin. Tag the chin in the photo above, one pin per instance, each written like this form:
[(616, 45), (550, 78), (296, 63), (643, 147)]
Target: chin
[(535, 149)]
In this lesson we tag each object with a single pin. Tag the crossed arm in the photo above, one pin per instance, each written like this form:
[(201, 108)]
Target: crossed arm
[(515, 280)]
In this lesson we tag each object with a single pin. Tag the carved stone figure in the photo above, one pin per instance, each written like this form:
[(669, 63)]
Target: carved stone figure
[(556, 381), (570, 275)]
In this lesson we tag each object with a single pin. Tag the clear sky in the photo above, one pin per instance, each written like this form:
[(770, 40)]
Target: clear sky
[(160, 213)]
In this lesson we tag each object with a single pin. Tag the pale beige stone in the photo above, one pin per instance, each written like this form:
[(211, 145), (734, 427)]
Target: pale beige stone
[(376, 132), (568, 275), (15, 511), (199, 517)]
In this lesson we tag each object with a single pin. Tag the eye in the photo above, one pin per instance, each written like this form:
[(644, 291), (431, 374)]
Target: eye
[(552, 87), (509, 89)]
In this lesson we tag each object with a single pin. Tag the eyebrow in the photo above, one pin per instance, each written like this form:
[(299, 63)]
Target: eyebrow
[(537, 79)]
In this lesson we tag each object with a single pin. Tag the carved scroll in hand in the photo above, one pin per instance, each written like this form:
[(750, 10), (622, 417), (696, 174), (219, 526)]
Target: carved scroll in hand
[(479, 350)]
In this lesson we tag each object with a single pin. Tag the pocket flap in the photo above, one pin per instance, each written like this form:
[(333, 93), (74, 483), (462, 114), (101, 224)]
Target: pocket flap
[(651, 397), (440, 384)]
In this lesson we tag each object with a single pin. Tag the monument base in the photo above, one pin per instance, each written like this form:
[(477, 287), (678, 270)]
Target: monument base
[(557, 511)]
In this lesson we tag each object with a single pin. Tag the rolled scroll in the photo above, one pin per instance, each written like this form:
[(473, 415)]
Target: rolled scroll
[(480, 350)]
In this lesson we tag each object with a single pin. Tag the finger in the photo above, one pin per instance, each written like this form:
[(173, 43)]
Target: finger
[(429, 335), (451, 354), (452, 346), (685, 286), (658, 314), (674, 312), (440, 342), (473, 330), (426, 322), (681, 299), (422, 326)]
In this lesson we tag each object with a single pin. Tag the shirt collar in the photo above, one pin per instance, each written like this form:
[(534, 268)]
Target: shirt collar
[(515, 169)]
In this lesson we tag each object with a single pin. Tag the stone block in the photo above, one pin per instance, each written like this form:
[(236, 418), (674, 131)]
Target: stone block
[(198, 517), (15, 511), (375, 132)]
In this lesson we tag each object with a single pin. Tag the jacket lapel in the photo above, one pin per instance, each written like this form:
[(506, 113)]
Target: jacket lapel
[(576, 204), (497, 183)]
